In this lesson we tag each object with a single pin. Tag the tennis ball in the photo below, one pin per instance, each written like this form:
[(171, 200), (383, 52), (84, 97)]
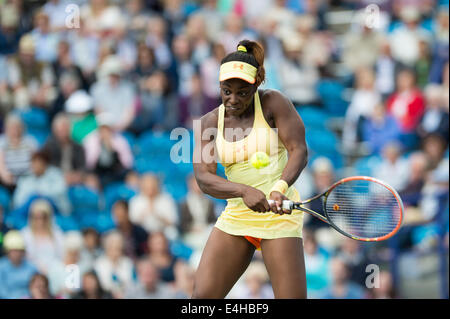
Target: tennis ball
[(259, 160)]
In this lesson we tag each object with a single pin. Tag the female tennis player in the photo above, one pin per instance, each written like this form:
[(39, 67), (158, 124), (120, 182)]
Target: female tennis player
[(266, 117)]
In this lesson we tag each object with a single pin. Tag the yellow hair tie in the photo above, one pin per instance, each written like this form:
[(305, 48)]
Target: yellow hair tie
[(242, 48)]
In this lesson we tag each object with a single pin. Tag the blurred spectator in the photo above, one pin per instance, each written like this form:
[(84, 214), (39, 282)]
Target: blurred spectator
[(152, 209), (435, 118), (361, 45), (100, 17), (39, 287), (196, 32), (386, 68), (84, 49), (319, 49), (91, 288), (175, 13), (65, 64), (161, 257), (46, 42), (135, 236), (317, 264), (423, 64), (114, 269), (196, 215), (255, 285), (124, 47), (184, 280), (362, 105), (68, 83), (183, 67), (79, 107), (10, 31), (434, 147), (114, 94), (64, 153), (145, 66), (31, 81), (43, 238), (298, 80), (379, 129), (386, 289), (233, 32), (16, 150), (405, 40), (45, 180), (59, 269), (137, 17), (354, 256), (157, 39), (149, 285), (393, 169), (55, 10), (91, 245), (108, 153), (15, 270), (195, 104), (323, 175), (342, 287), (159, 108), (407, 106), (209, 74), (213, 17), (412, 192), (440, 49)]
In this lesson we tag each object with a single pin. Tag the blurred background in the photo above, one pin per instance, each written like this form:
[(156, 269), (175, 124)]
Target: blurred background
[(90, 91)]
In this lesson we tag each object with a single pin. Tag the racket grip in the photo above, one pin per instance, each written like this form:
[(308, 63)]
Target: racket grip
[(287, 204)]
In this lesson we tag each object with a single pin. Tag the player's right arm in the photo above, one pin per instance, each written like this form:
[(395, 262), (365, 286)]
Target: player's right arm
[(205, 169)]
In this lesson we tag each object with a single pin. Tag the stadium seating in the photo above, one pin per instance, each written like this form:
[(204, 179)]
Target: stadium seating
[(332, 95), (5, 199)]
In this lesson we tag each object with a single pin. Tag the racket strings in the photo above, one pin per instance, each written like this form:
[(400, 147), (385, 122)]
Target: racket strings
[(363, 208)]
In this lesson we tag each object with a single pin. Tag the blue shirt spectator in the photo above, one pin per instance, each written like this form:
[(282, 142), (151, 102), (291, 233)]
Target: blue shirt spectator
[(15, 271)]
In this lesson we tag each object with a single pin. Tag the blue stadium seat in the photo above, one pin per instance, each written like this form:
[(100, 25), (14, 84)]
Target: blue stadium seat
[(5, 199), (176, 189), (104, 222), (83, 198), (67, 223), (35, 119), (366, 165), (321, 141), (331, 93), (40, 136), (131, 139), (180, 249), (87, 219), (145, 164), (115, 192), (313, 116), (154, 144)]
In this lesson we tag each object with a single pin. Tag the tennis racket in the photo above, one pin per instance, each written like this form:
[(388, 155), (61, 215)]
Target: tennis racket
[(360, 207)]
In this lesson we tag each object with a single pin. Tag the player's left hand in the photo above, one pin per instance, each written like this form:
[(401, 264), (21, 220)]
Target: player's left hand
[(277, 206)]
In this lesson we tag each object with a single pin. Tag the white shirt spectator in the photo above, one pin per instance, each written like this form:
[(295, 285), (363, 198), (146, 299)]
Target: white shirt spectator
[(151, 214)]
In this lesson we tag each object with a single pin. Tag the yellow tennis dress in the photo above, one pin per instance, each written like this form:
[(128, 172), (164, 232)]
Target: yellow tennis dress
[(237, 218)]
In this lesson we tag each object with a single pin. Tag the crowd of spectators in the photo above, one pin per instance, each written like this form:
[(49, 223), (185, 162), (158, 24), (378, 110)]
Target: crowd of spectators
[(82, 80)]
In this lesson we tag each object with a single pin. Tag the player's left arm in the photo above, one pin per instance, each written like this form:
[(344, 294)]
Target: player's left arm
[(291, 132)]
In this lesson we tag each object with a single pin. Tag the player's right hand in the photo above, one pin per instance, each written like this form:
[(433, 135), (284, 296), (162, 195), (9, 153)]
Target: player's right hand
[(255, 200)]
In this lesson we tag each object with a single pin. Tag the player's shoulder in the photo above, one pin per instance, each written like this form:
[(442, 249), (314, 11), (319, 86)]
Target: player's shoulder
[(210, 119), (274, 99)]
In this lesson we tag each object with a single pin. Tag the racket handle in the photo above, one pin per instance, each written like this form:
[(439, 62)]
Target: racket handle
[(287, 204)]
